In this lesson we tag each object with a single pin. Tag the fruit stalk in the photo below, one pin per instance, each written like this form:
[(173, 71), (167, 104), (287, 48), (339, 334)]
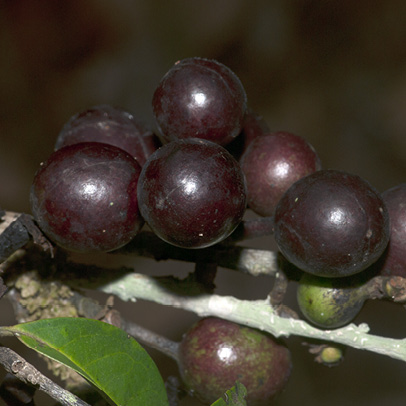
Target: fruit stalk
[(257, 314), (247, 260), (253, 313)]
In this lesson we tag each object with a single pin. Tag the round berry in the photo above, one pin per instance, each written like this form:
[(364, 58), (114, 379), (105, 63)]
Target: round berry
[(271, 164), (84, 197), (331, 223), (110, 125), (199, 98), (393, 262), (254, 126), (329, 302), (216, 353), (192, 193)]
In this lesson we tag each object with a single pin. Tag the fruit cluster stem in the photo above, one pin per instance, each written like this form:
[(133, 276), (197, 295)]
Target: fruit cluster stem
[(253, 313)]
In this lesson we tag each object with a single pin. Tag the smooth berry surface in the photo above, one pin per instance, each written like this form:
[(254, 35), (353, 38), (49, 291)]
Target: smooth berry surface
[(216, 353), (84, 197), (329, 302), (332, 223), (271, 164), (254, 126), (199, 98), (110, 125), (393, 262), (192, 193)]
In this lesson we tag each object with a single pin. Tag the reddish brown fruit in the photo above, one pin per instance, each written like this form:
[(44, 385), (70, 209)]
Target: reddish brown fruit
[(199, 98), (271, 164), (216, 353), (192, 193), (84, 197), (332, 223), (112, 126), (393, 262), (254, 126)]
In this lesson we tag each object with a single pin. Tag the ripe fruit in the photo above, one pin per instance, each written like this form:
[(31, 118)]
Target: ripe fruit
[(329, 302), (393, 262), (271, 164), (192, 193), (216, 353), (84, 197), (112, 126), (331, 223), (254, 126), (199, 98)]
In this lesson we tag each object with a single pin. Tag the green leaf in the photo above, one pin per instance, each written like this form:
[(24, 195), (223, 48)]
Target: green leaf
[(233, 397), (105, 355)]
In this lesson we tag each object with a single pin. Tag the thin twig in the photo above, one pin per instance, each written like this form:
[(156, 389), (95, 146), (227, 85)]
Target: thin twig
[(251, 261), (253, 313), (279, 288), (91, 309), (20, 368), (13, 234), (205, 274), (153, 340)]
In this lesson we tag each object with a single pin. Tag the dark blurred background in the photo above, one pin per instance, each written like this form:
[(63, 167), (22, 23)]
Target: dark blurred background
[(333, 72)]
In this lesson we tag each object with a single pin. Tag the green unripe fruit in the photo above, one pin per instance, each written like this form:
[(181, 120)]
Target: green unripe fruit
[(216, 353), (329, 302), (331, 355)]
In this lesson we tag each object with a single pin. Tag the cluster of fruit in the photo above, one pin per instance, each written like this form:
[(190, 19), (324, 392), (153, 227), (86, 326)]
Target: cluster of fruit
[(191, 181)]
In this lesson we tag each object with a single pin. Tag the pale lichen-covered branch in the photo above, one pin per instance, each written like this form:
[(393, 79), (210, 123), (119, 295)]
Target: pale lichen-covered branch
[(254, 313)]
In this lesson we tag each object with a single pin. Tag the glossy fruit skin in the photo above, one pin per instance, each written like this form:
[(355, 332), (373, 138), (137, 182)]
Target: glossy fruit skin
[(110, 125), (199, 98), (254, 126), (84, 197), (215, 353), (329, 302), (331, 223), (271, 164), (192, 193), (393, 262)]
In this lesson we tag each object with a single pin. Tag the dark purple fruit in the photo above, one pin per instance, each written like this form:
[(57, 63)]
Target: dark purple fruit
[(393, 262), (192, 193), (271, 164), (110, 125), (84, 197), (330, 302), (216, 353), (331, 223), (199, 98), (254, 126)]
